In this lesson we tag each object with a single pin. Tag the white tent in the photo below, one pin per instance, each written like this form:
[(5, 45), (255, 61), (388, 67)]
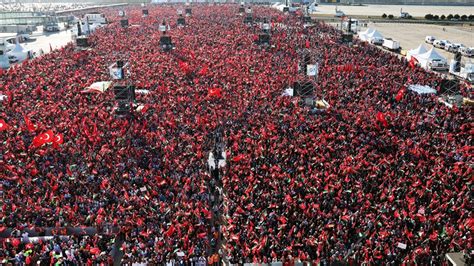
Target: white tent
[(374, 34), (363, 35), (420, 50), (4, 63), (6, 46), (19, 52), (427, 57)]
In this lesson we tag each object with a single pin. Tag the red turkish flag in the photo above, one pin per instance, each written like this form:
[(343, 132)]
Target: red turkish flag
[(207, 213), (3, 125), (413, 62), (381, 118), (400, 95), (46, 137), (238, 158), (215, 92), (58, 140), (170, 231), (94, 251), (203, 71), (30, 126), (307, 44)]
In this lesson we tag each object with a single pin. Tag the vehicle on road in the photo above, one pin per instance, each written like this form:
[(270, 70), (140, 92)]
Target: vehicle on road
[(430, 39), (453, 47), (440, 43), (438, 64), (467, 51), (376, 40), (390, 44)]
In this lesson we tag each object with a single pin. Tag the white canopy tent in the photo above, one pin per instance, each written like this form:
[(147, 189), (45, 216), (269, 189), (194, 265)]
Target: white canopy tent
[(420, 50), (4, 63), (425, 58), (6, 46), (19, 52), (363, 35), (374, 34)]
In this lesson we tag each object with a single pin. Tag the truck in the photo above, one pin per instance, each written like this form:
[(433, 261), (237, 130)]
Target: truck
[(438, 64), (95, 18), (404, 15), (51, 26), (339, 13), (390, 44)]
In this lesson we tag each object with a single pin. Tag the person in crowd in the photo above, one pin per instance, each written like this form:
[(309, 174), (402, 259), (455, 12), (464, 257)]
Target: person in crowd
[(383, 176)]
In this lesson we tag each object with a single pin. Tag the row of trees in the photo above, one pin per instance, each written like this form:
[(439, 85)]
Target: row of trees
[(442, 17), (449, 17), (389, 16)]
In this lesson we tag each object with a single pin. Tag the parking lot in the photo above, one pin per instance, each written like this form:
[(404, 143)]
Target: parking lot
[(378, 10), (412, 35)]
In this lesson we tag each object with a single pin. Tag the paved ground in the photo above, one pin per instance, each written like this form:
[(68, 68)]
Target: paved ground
[(42, 41), (412, 35), (378, 10)]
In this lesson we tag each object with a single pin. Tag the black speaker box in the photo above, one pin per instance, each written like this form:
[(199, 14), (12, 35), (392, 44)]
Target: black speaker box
[(264, 39), (124, 23), (165, 40), (82, 42), (347, 38), (248, 19)]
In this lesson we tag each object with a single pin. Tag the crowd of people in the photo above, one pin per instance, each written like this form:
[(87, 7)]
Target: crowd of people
[(381, 176), (40, 7)]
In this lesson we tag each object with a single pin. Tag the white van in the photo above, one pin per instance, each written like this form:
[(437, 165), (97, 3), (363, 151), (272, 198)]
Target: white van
[(440, 43), (467, 51), (453, 47), (430, 39)]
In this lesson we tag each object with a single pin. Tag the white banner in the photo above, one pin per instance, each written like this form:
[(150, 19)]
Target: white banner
[(312, 70), (116, 73)]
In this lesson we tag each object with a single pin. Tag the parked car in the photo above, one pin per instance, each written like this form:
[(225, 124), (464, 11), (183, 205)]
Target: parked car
[(376, 40), (438, 64), (453, 47), (430, 39), (440, 43), (467, 51), (405, 15)]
